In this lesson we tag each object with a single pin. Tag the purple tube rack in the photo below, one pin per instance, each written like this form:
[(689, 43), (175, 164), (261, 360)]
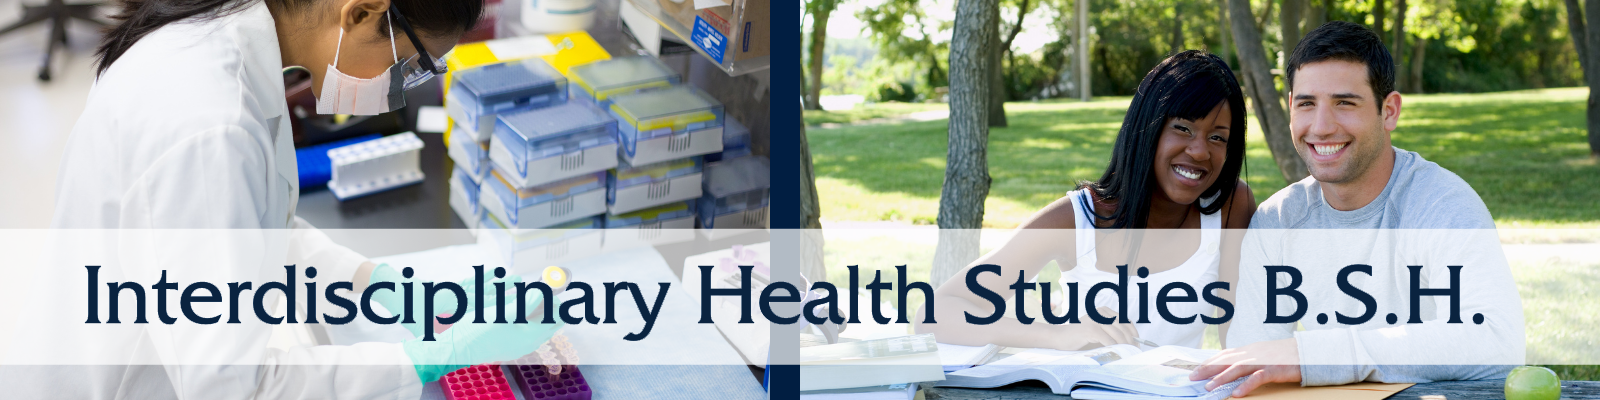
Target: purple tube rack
[(538, 384), (478, 382)]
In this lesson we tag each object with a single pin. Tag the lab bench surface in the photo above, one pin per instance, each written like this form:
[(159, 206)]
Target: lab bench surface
[(1484, 389)]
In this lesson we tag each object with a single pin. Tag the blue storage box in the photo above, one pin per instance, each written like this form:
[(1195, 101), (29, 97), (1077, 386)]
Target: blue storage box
[(667, 124), (478, 94), (536, 147)]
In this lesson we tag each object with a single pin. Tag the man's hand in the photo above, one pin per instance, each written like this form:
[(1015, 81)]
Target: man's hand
[(1264, 362)]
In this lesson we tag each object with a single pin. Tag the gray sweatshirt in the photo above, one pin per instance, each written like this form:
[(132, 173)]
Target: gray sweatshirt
[(1425, 216)]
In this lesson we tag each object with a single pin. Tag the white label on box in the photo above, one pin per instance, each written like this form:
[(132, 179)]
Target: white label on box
[(748, 219), (538, 257), (548, 213), (639, 197), (675, 146), (553, 212), (520, 47), (653, 233), (551, 169)]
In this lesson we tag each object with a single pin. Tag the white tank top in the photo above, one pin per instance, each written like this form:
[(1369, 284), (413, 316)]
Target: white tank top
[(1198, 271)]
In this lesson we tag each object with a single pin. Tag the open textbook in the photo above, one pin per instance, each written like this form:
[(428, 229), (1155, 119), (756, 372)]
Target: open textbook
[(1108, 373)]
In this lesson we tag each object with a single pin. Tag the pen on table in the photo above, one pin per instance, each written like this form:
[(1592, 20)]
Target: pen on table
[(1141, 341)]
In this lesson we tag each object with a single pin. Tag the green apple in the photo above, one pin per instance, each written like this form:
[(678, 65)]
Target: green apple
[(1532, 383)]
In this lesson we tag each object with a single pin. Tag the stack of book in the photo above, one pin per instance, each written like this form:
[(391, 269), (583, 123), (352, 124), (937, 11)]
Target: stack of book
[(872, 369)]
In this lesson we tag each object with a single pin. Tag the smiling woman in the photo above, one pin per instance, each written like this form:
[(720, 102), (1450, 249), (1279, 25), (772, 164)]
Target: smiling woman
[(1174, 166), (1185, 130)]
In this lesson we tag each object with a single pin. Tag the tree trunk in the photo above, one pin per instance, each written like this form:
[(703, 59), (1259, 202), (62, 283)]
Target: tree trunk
[(1316, 15), (997, 76), (1399, 41), (1577, 31), (1177, 27), (1258, 84), (1227, 43), (811, 250), (1289, 24), (1416, 64), (1082, 40), (1592, 73), (966, 172), (1378, 12), (819, 37)]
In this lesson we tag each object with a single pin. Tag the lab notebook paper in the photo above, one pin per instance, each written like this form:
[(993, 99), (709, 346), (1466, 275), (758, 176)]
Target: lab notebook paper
[(1113, 372)]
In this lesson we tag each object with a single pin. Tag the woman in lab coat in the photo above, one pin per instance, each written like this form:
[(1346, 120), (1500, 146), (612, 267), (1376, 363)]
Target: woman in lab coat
[(186, 128)]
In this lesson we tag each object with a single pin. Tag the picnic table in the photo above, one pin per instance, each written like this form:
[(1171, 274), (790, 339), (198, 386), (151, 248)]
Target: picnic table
[(1453, 390)]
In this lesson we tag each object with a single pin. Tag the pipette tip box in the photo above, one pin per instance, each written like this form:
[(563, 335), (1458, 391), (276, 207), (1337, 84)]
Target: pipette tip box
[(545, 145), (374, 166), (545, 205), (665, 224), (477, 95), (464, 198), (736, 193), (660, 125), (599, 81), (633, 188), (478, 382), (528, 249), (735, 141), (469, 155)]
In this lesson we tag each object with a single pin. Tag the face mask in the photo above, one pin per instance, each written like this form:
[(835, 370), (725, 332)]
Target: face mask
[(345, 94)]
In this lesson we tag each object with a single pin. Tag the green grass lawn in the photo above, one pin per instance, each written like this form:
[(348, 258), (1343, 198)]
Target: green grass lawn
[(1524, 152), (868, 111)]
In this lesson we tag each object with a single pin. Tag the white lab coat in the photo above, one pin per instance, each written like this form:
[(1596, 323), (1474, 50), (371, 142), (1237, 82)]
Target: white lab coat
[(188, 130)]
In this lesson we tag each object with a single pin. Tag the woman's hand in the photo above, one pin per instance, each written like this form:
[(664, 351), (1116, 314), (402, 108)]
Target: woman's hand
[(1090, 334)]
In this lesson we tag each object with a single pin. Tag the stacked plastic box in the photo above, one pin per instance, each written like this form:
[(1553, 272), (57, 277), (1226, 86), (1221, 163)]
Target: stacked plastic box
[(599, 81), (667, 124), (663, 130), (477, 97), (663, 135), (548, 172), (736, 194)]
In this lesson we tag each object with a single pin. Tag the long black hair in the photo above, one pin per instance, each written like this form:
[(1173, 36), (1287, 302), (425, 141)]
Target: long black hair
[(140, 17), (1187, 85)]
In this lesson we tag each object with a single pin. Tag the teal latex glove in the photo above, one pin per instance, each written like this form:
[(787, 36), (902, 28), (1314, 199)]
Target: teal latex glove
[(468, 344), (443, 302)]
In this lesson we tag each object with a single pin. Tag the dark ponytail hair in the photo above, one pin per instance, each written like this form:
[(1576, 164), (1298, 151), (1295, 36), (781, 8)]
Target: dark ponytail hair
[(1187, 85), (140, 17)]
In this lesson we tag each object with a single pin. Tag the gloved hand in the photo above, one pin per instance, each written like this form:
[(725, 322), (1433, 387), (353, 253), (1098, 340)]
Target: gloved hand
[(468, 344), (394, 301)]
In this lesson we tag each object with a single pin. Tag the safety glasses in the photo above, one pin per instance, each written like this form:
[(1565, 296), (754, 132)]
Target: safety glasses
[(420, 67)]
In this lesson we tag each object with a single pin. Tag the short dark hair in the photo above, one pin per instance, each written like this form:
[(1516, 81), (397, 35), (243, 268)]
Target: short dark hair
[(1187, 85), (1344, 41)]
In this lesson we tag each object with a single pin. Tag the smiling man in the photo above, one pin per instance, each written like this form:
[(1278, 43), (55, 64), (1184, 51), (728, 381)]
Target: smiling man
[(1393, 209)]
